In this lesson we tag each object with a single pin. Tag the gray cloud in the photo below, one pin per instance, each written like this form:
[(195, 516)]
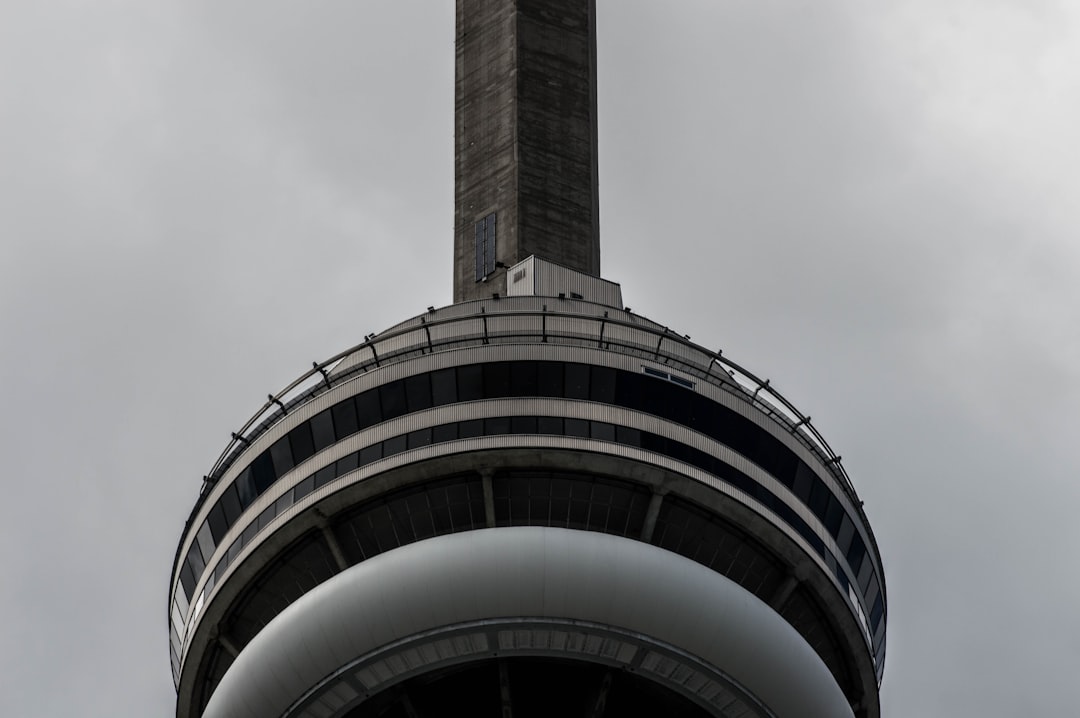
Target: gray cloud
[(870, 204)]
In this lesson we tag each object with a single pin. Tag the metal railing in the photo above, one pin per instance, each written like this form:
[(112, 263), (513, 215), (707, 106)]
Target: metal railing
[(534, 320)]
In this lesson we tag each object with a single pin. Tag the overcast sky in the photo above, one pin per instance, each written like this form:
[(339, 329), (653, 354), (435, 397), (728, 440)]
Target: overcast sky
[(873, 204)]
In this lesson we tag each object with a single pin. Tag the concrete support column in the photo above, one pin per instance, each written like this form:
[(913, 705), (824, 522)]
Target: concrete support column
[(489, 497), (651, 514)]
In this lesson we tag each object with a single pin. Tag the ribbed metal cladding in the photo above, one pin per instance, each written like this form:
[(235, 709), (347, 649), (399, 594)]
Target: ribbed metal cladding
[(407, 492)]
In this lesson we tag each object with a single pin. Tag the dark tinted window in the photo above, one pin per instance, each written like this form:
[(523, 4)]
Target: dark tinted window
[(549, 425), (444, 432), (577, 381), (368, 412), (496, 380), (576, 427), (497, 426), (187, 579), (444, 387), (218, 524), (245, 487), (281, 454), (304, 488), (392, 396), (523, 425), (602, 430), (322, 430), (418, 438), (469, 429), (347, 463), (231, 504), (819, 498), (523, 378), (628, 436), (394, 445), (470, 383), (344, 414), (418, 392), (550, 378), (324, 476), (804, 482), (301, 442), (370, 453), (602, 384), (262, 472)]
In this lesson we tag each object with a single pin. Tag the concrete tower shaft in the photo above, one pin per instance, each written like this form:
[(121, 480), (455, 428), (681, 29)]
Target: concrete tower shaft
[(525, 157)]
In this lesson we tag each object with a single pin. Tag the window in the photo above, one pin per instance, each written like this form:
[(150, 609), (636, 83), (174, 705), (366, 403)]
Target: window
[(485, 247)]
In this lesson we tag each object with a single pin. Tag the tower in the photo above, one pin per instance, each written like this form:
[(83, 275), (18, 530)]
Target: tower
[(532, 501)]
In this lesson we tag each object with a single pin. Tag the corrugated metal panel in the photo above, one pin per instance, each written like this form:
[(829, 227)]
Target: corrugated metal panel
[(537, 277)]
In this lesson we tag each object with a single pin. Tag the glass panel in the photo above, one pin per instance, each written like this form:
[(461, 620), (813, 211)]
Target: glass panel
[(245, 488), (206, 540), (628, 436), (218, 525), (304, 488), (523, 425), (231, 503), (444, 387), (187, 579), (284, 502), (819, 498), (549, 425), (489, 248), (497, 426), (348, 463), (324, 476), (577, 427), (470, 383), (833, 514), (478, 242), (444, 432), (394, 445), (195, 560), (418, 438), (267, 516), (370, 453), (303, 447), (496, 380), (322, 430), (602, 430), (469, 429), (392, 396), (344, 414), (602, 385), (262, 473), (577, 381), (523, 378), (367, 409), (418, 392), (550, 378), (281, 454)]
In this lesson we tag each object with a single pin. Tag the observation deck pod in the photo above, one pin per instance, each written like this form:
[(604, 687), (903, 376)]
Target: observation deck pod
[(546, 497)]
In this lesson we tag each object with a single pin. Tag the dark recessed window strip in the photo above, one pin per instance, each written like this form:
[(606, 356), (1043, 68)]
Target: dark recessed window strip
[(494, 380), (496, 426)]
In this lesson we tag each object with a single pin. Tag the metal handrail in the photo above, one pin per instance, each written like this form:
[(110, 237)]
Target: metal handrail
[(736, 379)]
